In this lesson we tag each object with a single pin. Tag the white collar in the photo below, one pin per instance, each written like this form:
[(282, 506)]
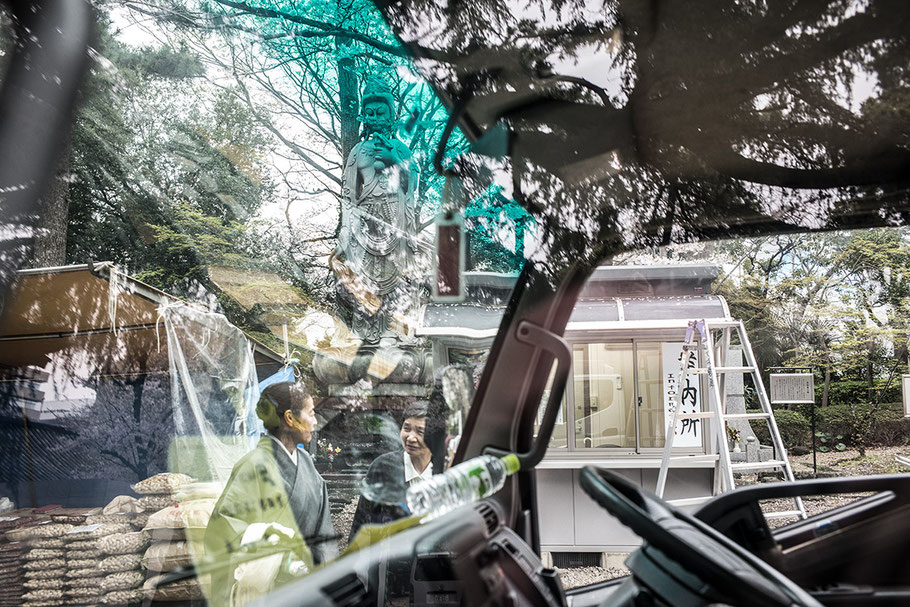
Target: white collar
[(410, 472), (292, 455)]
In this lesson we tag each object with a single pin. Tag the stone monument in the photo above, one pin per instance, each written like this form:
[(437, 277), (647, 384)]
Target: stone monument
[(378, 226), (374, 262)]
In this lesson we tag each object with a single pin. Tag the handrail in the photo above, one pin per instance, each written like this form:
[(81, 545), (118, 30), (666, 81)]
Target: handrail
[(539, 337)]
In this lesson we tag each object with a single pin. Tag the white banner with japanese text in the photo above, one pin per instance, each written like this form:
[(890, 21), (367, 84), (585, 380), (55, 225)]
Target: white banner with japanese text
[(688, 431)]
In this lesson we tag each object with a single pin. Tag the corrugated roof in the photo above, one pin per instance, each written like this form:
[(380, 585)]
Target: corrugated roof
[(460, 317), (29, 451)]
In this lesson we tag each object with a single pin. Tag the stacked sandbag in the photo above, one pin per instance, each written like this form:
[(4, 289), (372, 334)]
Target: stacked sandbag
[(44, 562), (160, 491), (12, 573), (72, 516), (83, 554), (121, 567), (177, 533), (120, 554), (190, 589)]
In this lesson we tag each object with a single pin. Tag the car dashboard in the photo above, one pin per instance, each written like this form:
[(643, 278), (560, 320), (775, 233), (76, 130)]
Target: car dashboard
[(468, 557)]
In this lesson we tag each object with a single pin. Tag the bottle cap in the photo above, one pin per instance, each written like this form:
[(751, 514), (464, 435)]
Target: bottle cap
[(511, 463)]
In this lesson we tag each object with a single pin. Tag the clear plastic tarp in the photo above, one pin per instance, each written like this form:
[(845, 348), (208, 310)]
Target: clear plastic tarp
[(214, 390)]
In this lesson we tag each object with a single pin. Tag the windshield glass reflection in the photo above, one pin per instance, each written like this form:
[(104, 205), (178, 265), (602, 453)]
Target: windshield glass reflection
[(224, 334), (774, 118), (224, 337)]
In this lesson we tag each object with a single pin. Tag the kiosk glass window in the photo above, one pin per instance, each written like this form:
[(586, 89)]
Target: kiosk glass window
[(651, 414), (604, 395), (617, 395), (559, 439)]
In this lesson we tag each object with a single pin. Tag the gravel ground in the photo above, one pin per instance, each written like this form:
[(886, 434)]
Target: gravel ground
[(879, 460), (582, 576), (342, 521)]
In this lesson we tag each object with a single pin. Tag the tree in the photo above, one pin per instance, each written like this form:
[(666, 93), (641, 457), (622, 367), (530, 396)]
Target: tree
[(125, 433), (497, 227), (877, 270), (835, 301), (159, 157), (299, 70), (755, 111)]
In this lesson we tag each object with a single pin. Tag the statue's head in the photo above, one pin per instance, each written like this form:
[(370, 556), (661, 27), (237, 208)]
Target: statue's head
[(377, 109)]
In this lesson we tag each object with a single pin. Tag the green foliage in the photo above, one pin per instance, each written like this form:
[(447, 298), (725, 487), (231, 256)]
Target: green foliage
[(167, 169), (837, 302), (372, 423), (190, 241), (836, 420), (857, 391), (826, 442), (300, 69), (843, 392), (793, 427), (491, 219), (884, 426), (889, 426), (750, 302), (161, 62)]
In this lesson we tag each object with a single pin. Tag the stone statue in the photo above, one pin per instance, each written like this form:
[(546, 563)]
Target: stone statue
[(376, 244)]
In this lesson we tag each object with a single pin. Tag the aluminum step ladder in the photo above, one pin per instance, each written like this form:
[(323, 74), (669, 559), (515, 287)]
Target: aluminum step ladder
[(716, 411)]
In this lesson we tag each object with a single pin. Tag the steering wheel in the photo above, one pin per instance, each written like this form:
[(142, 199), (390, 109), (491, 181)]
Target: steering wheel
[(700, 555)]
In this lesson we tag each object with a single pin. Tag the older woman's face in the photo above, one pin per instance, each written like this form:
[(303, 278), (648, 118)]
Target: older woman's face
[(412, 436)]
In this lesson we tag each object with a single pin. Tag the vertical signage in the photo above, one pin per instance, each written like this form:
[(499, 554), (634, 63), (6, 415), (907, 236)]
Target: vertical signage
[(688, 397), (905, 390)]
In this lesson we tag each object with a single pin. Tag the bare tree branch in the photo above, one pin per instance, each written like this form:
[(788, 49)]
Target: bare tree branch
[(323, 28)]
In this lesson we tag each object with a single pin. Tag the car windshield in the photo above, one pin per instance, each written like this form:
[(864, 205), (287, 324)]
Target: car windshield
[(281, 239)]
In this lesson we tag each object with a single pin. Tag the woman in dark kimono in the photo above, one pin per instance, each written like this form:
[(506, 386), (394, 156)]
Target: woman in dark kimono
[(274, 490), (422, 454)]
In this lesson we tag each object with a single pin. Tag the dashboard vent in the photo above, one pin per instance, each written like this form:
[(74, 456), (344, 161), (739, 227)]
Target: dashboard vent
[(490, 516), (349, 591), (569, 560)]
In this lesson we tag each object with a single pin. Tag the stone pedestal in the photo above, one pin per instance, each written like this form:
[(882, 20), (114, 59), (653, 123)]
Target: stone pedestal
[(752, 449), (393, 370)]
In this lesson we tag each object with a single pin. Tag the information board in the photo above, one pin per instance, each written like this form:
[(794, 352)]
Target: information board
[(905, 390), (792, 388)]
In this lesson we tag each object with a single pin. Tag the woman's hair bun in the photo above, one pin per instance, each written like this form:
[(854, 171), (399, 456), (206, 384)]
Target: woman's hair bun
[(268, 412), (278, 398)]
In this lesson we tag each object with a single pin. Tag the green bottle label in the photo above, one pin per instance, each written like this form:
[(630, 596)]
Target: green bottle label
[(480, 481)]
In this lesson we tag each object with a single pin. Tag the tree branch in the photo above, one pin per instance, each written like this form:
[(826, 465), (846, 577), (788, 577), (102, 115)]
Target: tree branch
[(888, 166), (323, 28), (290, 144)]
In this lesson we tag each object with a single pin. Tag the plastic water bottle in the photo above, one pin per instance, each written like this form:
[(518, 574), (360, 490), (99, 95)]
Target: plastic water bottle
[(462, 484)]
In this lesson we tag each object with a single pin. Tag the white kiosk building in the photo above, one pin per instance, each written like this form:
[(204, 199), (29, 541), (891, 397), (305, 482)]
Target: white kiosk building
[(627, 333)]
